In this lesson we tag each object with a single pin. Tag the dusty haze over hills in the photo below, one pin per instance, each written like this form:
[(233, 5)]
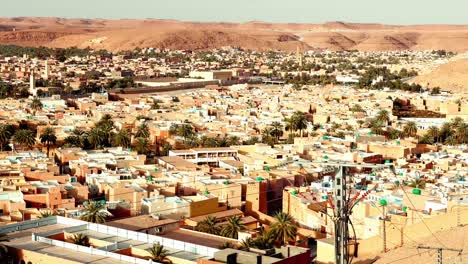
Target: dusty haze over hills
[(127, 34)]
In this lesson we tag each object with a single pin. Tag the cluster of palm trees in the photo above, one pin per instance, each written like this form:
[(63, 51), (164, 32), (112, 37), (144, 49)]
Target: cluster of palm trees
[(26, 137), (382, 119), (451, 133), (104, 134), (297, 122), (283, 230), (231, 229), (188, 133), (271, 134)]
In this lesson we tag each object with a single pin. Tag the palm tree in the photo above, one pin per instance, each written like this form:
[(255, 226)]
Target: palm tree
[(232, 228), (376, 127), (226, 244), (246, 244), (48, 137), (208, 225), (106, 120), (3, 248), (394, 134), (166, 147), (461, 133), (185, 131), (81, 240), (298, 122), (94, 212), (433, 132), (284, 228), (45, 214), (267, 138), (159, 254), (410, 129), (141, 145), (96, 137), (24, 137), (265, 241), (143, 131), (78, 138), (277, 130), (122, 138), (233, 141), (417, 183), (457, 121), (36, 105), (383, 117), (5, 135)]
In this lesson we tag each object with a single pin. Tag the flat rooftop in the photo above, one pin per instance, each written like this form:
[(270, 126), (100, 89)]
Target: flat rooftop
[(22, 240)]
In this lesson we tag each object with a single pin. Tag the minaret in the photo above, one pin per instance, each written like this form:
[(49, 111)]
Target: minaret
[(32, 84), (46, 74), (299, 57)]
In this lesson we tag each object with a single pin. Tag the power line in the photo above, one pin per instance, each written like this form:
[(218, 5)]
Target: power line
[(407, 257), (422, 219), (439, 251)]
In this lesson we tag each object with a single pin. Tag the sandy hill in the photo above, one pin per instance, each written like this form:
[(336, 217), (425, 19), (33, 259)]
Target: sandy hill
[(452, 76), (129, 33)]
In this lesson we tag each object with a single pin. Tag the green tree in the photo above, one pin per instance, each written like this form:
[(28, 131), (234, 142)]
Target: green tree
[(433, 132), (166, 147), (461, 133), (94, 212), (24, 137), (159, 254), (383, 117), (418, 183), (80, 239), (3, 248), (5, 135), (394, 134), (276, 130), (49, 138), (410, 129), (297, 122), (186, 131), (96, 137), (208, 225), (122, 138), (143, 131), (78, 138), (265, 241), (45, 214), (141, 145), (284, 228), (233, 227), (267, 137), (36, 104)]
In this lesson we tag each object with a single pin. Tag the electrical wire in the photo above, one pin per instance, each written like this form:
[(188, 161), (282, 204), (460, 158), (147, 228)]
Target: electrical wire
[(422, 219)]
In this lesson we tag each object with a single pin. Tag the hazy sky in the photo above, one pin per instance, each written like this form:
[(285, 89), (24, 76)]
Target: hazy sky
[(312, 11)]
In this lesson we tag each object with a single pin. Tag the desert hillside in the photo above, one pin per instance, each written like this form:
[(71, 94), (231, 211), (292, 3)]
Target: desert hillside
[(451, 76), (127, 34)]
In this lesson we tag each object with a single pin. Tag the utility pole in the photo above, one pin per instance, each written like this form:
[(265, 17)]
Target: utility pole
[(439, 251), (342, 207), (384, 231)]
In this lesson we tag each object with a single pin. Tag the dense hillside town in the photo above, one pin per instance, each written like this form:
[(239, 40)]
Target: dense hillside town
[(225, 155)]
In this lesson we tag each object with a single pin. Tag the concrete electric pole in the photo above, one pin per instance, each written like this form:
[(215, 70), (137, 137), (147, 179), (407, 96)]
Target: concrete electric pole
[(439, 251), (342, 205)]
